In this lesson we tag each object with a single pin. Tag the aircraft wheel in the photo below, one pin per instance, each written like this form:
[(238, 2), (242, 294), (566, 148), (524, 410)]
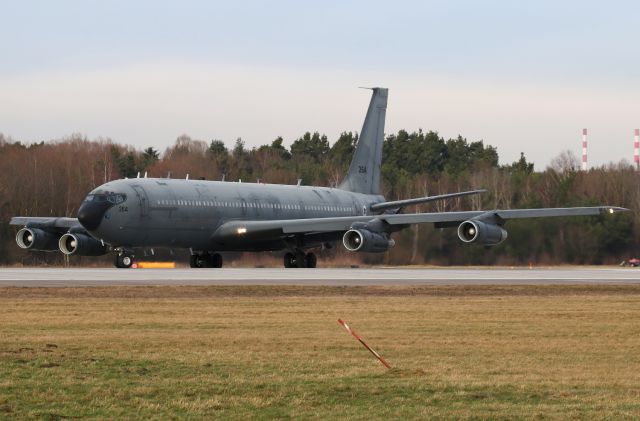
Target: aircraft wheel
[(300, 260), (123, 261), (205, 260), (216, 260), (289, 260), (311, 260), (197, 261)]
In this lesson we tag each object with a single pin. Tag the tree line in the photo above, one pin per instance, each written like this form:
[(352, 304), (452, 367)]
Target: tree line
[(51, 179)]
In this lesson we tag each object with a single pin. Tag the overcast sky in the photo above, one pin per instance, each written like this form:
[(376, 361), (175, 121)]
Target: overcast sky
[(522, 76)]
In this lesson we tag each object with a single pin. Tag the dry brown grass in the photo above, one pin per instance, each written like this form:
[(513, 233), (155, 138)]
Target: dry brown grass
[(234, 352)]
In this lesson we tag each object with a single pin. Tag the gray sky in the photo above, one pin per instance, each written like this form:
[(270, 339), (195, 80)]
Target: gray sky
[(522, 76)]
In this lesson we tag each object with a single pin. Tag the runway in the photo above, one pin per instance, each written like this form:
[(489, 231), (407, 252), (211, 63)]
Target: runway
[(58, 277)]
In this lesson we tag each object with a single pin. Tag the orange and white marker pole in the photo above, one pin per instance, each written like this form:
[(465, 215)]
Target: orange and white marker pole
[(355, 335)]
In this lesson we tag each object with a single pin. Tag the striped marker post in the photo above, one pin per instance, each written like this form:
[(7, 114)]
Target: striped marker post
[(636, 148), (584, 149), (355, 335)]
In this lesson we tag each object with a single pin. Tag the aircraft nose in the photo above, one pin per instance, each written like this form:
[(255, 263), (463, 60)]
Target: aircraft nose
[(90, 214)]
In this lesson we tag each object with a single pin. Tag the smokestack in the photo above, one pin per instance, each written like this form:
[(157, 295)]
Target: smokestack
[(584, 149), (636, 146)]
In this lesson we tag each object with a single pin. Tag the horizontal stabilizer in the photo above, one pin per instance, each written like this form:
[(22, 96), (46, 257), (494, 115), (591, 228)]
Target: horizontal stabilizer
[(401, 203)]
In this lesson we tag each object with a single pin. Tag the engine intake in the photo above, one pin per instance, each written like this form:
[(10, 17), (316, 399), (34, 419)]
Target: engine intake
[(36, 239), (363, 240), (81, 245), (481, 232)]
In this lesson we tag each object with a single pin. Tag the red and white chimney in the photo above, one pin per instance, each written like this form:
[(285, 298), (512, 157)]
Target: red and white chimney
[(636, 147), (584, 149)]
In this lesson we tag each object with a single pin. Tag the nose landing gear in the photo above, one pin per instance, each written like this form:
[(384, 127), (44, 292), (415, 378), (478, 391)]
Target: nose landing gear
[(123, 260)]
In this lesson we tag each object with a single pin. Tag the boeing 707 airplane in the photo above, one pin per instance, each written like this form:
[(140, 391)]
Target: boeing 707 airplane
[(208, 217)]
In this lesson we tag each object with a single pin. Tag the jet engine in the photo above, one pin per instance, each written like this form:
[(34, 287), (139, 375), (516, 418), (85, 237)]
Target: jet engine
[(482, 233), (81, 245), (36, 239), (364, 240)]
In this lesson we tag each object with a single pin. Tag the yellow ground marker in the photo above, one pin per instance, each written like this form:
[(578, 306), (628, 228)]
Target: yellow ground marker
[(154, 265)]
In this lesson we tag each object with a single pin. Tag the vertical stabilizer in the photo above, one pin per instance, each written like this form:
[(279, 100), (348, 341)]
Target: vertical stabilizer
[(364, 171)]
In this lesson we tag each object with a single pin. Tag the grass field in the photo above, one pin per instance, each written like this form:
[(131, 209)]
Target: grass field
[(546, 352)]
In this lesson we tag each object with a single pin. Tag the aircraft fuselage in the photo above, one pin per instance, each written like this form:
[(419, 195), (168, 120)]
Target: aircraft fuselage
[(158, 212)]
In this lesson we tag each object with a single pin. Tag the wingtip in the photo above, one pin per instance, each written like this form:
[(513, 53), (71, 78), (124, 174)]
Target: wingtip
[(614, 209)]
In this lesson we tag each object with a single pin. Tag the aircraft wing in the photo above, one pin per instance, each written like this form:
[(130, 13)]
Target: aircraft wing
[(282, 228), (49, 223), (499, 215)]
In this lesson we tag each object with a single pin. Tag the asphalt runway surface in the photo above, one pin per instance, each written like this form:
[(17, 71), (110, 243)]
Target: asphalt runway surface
[(58, 277)]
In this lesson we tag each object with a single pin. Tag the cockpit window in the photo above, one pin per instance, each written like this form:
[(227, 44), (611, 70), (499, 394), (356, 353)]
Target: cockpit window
[(114, 198)]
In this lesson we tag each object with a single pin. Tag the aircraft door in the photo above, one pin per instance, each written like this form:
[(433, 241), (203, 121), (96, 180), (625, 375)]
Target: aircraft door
[(143, 200)]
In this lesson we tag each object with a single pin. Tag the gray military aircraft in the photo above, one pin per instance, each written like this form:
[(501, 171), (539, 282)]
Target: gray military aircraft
[(208, 217)]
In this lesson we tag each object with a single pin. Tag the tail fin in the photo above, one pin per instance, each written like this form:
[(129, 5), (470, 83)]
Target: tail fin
[(364, 171)]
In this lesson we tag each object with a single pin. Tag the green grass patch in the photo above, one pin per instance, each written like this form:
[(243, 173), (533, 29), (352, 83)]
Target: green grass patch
[(220, 355)]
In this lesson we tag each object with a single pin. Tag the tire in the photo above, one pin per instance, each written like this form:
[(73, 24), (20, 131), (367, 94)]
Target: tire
[(216, 260), (300, 260), (196, 261), (311, 260), (123, 261), (289, 260), (205, 260)]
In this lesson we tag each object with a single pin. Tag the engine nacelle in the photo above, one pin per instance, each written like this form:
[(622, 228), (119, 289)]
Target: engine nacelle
[(36, 239), (81, 245), (482, 233), (364, 240)]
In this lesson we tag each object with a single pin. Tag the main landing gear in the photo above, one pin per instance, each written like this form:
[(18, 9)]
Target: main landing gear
[(205, 260), (300, 260), (123, 259)]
